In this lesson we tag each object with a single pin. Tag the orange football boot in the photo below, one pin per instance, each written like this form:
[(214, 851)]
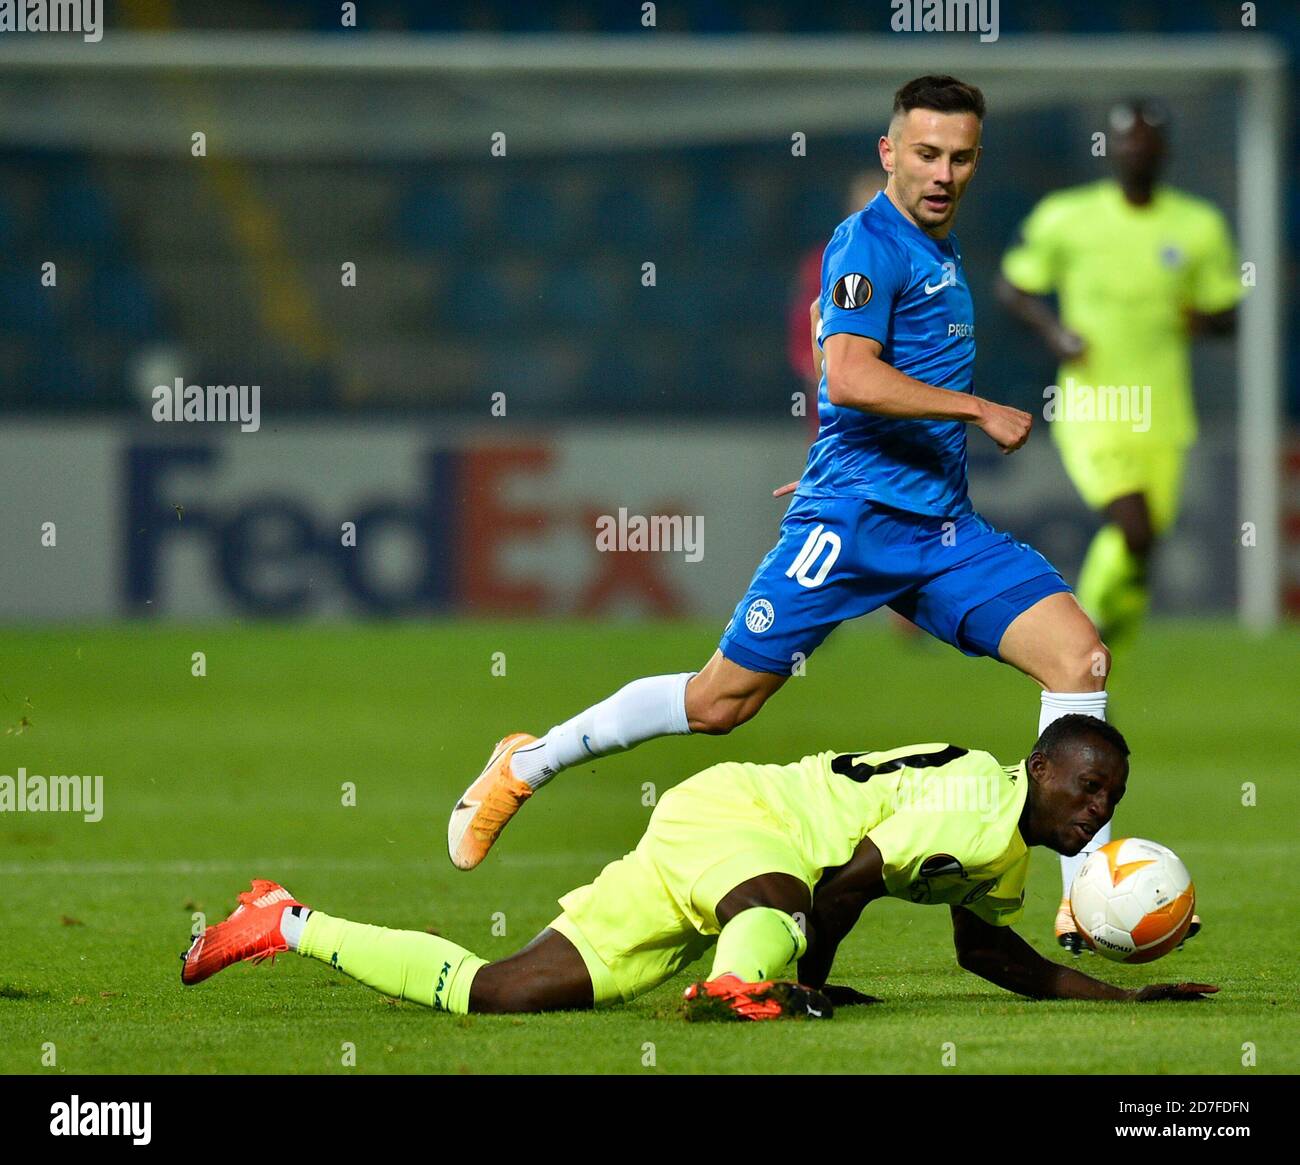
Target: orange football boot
[(728, 997), (251, 933), (487, 805)]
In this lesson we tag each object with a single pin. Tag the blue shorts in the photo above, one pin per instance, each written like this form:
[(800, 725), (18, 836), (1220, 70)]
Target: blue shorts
[(838, 558)]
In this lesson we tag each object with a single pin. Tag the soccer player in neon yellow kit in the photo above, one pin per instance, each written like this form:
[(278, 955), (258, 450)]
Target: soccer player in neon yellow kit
[(773, 862), (1138, 268)]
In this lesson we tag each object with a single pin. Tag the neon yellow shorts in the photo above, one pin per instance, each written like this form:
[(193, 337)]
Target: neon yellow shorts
[(653, 911), (1103, 472)]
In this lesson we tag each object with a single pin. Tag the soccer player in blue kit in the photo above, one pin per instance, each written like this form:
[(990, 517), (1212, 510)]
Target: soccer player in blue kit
[(881, 515)]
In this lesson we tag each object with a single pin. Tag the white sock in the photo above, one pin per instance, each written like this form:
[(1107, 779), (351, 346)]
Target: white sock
[(1054, 706), (1057, 704), (641, 710), (292, 921)]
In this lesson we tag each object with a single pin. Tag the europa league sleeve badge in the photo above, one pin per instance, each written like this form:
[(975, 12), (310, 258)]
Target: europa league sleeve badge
[(851, 292)]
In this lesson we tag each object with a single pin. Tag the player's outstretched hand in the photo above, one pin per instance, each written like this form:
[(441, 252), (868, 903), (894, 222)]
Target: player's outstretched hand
[(1158, 991), (788, 488), (1007, 426), (846, 996)]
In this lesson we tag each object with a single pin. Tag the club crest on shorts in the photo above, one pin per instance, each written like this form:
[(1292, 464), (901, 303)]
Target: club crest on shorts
[(851, 292), (759, 616)]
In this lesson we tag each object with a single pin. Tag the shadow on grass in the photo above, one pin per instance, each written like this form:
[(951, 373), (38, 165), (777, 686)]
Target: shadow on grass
[(11, 992)]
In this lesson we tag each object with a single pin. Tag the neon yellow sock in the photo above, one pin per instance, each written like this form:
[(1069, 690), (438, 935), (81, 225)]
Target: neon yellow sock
[(406, 964), (1113, 586), (758, 944)]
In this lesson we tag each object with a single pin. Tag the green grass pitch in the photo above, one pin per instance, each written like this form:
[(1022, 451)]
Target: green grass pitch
[(208, 781)]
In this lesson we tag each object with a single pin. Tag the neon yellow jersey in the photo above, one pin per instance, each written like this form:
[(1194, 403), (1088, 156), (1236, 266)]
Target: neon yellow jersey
[(1124, 276), (946, 821)]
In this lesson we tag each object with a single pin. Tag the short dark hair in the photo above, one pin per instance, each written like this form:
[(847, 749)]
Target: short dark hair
[(939, 92), (1071, 729)]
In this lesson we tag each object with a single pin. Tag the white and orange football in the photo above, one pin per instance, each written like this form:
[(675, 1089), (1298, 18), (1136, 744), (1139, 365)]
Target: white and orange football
[(1133, 900)]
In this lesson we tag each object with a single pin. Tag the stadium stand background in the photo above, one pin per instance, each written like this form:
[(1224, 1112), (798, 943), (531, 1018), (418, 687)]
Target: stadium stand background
[(474, 283)]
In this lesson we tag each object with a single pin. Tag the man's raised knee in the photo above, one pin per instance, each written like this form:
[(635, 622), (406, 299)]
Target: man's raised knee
[(718, 717), (723, 696), (1083, 668)]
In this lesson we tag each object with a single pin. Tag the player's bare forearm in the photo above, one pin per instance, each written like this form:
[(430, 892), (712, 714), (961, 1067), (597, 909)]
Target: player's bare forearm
[(1024, 971), (837, 905), (1036, 314), (824, 934), (1031, 310), (1001, 956), (856, 379)]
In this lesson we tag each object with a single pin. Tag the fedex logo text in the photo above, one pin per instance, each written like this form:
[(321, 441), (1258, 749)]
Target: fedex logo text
[(474, 528)]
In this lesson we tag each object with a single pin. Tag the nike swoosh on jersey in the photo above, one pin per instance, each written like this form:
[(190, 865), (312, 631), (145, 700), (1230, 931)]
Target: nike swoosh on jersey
[(942, 284)]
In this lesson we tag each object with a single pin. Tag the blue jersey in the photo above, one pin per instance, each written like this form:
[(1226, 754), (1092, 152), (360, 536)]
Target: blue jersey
[(885, 278)]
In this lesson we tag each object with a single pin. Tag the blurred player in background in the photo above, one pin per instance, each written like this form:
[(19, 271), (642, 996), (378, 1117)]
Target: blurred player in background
[(1138, 268), (882, 515)]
